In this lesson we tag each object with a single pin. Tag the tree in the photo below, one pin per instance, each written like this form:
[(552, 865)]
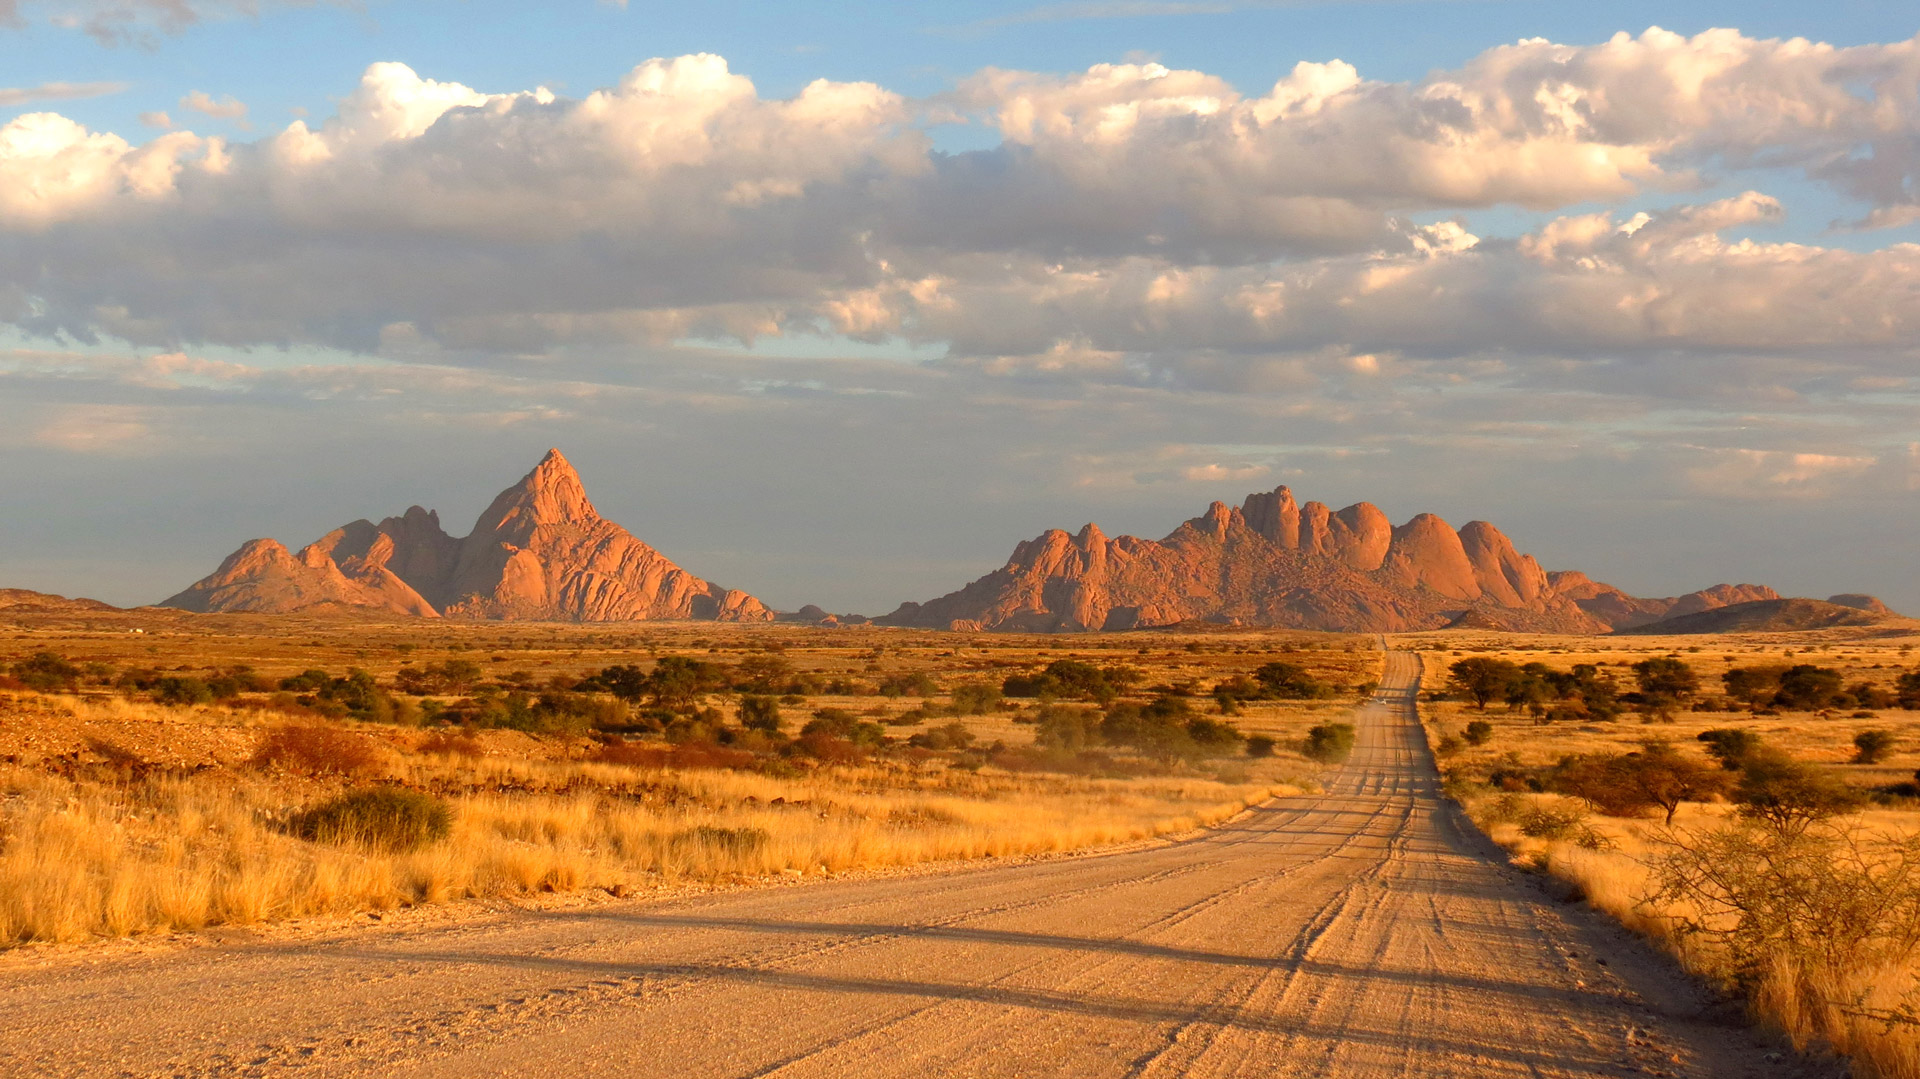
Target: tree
[(1729, 745), (1753, 685), (763, 673), (1807, 687), (1788, 794), (1666, 676), (1872, 747), (1290, 681), (1657, 776), (678, 681), (1481, 679), (975, 698), (1906, 689)]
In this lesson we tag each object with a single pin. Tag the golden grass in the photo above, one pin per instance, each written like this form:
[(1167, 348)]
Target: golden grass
[(81, 860), (1855, 1014)]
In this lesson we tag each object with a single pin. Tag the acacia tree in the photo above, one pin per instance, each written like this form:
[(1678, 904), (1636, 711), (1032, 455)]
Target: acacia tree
[(1481, 679), (1657, 776)]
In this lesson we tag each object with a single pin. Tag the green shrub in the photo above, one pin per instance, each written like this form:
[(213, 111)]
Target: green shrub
[(181, 692), (46, 672), (1330, 743), (1478, 733), (389, 818)]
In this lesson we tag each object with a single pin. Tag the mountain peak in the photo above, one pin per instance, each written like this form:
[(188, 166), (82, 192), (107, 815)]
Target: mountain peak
[(551, 494)]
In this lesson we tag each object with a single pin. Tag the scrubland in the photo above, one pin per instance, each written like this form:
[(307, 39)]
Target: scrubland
[(1789, 872), (169, 780)]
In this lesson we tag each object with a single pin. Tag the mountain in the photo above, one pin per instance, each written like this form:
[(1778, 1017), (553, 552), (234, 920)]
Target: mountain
[(539, 552), (1273, 562), (1771, 616), (1862, 601)]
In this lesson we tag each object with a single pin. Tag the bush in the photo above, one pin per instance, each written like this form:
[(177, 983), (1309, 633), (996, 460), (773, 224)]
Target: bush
[(1872, 747), (389, 818), (452, 744), (1290, 681), (1260, 745), (1478, 733), (975, 698), (1551, 822), (46, 672), (1785, 793), (760, 714), (182, 692), (1731, 746), (1330, 743), (319, 750)]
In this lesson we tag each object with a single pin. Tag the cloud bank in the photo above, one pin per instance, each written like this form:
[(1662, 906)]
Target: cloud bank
[(1149, 280)]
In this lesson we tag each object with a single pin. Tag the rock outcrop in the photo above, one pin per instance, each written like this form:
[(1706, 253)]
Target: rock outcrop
[(1273, 562), (1860, 601), (539, 552)]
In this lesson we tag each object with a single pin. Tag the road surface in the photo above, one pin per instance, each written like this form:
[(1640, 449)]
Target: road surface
[(1362, 932)]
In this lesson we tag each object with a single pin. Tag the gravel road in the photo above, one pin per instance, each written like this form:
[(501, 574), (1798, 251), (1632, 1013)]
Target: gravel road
[(1362, 932)]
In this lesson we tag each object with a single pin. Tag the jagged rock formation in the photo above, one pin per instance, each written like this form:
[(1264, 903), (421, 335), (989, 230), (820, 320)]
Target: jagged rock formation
[(1275, 563), (539, 552), (1771, 616)]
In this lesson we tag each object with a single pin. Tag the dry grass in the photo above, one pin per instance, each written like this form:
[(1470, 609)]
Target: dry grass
[(81, 859), (1864, 1014)]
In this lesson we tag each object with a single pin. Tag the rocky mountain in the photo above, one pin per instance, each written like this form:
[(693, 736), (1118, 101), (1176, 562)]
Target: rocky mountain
[(539, 552), (1773, 616), (1273, 562)]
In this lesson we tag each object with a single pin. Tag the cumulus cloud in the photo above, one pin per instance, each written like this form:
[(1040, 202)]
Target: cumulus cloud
[(1135, 223)]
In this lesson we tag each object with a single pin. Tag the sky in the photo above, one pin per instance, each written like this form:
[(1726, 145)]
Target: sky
[(837, 303)]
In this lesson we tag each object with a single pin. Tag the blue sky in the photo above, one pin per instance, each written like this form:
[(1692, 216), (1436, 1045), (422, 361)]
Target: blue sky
[(891, 344)]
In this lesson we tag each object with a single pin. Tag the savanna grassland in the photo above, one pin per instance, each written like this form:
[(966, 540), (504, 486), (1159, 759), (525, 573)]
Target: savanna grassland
[(161, 771), (1750, 801)]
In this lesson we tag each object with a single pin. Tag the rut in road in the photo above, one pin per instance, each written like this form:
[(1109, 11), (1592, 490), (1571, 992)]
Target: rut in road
[(1365, 931)]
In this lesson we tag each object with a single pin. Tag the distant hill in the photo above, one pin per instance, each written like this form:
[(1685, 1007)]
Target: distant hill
[(539, 552), (43, 601), (1771, 616)]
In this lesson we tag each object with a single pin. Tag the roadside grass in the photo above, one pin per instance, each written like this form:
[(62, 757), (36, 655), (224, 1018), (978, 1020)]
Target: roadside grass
[(1869, 1012), (83, 859)]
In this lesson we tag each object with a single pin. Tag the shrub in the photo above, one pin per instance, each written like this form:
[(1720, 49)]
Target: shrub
[(390, 818), (47, 672), (1260, 745), (1480, 679), (319, 750), (1872, 747), (1448, 746), (975, 698), (1330, 743), (1666, 677), (760, 714), (954, 735), (1290, 681), (1731, 746), (1551, 822), (1478, 733), (1785, 793), (182, 692)]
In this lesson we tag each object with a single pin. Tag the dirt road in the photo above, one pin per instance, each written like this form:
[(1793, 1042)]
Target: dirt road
[(1363, 932)]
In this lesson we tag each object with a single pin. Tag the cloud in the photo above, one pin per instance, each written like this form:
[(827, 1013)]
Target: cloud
[(226, 108), (1136, 224), (120, 22), (57, 91)]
